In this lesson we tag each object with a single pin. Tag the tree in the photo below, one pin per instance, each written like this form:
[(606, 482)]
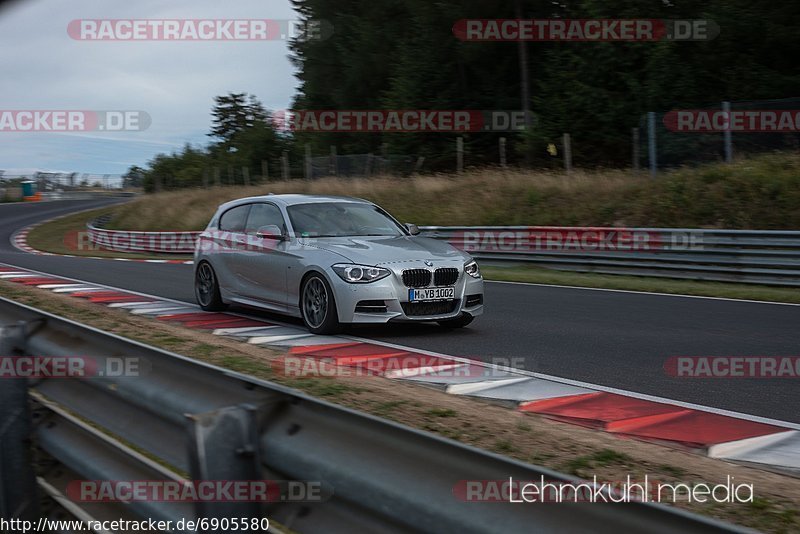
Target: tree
[(134, 177), (234, 113)]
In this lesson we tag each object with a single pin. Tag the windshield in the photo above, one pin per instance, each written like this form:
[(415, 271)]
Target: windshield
[(341, 219)]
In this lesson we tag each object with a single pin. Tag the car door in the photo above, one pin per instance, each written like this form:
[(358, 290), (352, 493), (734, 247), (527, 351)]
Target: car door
[(228, 241), (264, 265)]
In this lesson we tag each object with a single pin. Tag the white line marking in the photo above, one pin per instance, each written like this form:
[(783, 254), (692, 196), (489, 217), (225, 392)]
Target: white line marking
[(266, 340), (74, 289), (472, 387), (743, 446), (678, 295), (125, 305)]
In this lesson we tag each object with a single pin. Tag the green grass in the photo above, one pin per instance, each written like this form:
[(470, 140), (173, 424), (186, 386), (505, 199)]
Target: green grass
[(66, 235), (441, 412), (504, 446), (602, 458)]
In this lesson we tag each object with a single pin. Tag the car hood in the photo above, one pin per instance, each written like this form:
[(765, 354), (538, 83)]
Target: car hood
[(382, 250)]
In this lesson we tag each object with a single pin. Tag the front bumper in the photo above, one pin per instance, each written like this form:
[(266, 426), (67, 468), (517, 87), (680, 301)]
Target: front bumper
[(393, 294)]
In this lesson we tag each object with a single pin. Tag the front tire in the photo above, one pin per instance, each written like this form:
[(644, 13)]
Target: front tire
[(206, 288), (459, 322), (318, 306)]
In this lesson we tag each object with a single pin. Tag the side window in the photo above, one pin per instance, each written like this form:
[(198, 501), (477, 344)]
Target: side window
[(264, 215), (234, 219)]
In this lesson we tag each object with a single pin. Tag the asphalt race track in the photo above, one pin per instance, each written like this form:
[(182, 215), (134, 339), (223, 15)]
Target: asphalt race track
[(610, 338)]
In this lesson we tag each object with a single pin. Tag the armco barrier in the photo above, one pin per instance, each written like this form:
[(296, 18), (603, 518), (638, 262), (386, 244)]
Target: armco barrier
[(755, 256), (134, 241), (180, 418)]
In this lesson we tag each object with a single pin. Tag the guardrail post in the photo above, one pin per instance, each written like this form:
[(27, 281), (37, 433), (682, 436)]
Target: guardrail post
[(224, 446), (18, 499)]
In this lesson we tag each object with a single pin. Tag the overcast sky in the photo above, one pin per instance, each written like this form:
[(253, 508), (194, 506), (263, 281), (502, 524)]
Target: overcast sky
[(173, 81)]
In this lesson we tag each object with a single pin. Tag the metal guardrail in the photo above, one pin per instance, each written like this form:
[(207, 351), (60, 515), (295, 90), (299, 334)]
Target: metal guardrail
[(136, 241), (85, 195), (753, 256), (183, 418)]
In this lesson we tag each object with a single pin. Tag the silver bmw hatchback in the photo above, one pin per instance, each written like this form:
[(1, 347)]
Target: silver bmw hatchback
[(332, 261)]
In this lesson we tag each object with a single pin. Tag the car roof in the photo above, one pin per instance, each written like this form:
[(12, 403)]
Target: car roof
[(292, 199)]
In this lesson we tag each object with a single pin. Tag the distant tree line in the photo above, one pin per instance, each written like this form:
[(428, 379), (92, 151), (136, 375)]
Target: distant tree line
[(403, 55)]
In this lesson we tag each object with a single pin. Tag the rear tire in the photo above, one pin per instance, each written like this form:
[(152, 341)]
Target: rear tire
[(459, 322), (318, 306), (206, 288)]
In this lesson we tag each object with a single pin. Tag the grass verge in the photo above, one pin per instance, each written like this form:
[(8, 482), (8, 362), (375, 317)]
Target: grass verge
[(760, 192), (528, 438), (67, 235)]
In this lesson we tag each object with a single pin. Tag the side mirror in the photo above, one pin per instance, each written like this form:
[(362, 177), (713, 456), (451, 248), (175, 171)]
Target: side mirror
[(270, 231), (412, 228)]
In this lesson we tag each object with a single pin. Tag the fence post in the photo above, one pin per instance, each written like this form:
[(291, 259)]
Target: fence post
[(384, 157), (285, 164), (651, 142), (502, 151), (567, 153), (217, 180), (205, 178), (635, 148), (368, 170), (727, 134), (246, 176), (420, 163), (459, 154), (333, 165), (231, 175), (309, 169), (264, 170)]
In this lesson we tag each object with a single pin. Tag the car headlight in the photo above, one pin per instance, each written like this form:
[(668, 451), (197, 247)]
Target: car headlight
[(360, 274), (472, 269)]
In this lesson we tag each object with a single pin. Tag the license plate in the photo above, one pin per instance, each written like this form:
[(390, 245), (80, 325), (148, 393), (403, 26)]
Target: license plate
[(431, 294)]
